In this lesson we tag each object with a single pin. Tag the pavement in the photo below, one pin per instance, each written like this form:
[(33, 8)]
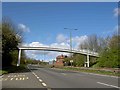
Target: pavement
[(49, 79)]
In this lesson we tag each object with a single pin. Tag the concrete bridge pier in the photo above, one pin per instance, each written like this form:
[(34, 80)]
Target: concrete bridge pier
[(87, 63), (19, 56), (88, 60)]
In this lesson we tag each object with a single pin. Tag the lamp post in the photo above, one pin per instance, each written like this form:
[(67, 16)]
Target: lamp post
[(70, 37)]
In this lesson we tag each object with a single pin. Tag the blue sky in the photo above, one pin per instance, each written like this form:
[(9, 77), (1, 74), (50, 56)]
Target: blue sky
[(43, 23)]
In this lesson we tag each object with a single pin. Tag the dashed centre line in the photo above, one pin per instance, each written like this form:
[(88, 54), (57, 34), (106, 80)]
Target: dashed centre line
[(37, 77), (40, 80), (44, 84)]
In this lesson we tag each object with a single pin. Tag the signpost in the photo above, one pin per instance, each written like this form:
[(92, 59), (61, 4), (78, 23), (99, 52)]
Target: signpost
[(71, 61)]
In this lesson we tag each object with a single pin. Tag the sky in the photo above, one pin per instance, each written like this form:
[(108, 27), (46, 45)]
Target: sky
[(43, 23)]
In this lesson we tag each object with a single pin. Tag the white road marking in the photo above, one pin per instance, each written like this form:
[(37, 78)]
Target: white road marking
[(33, 72), (108, 85), (44, 84), (11, 79), (63, 73), (40, 80), (101, 75), (37, 77)]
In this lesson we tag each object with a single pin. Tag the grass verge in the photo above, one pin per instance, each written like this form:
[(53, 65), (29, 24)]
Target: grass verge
[(12, 69), (103, 72)]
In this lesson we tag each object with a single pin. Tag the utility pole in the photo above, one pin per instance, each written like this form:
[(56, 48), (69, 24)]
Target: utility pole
[(70, 37)]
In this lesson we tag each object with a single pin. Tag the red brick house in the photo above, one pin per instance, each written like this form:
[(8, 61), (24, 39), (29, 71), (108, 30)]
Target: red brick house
[(60, 60)]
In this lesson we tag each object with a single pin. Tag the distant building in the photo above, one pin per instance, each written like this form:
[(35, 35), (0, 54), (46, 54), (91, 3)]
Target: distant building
[(52, 62), (60, 60)]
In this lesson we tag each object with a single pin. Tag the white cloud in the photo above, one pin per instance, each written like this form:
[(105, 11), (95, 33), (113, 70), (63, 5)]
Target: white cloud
[(23, 27), (80, 39), (77, 40), (61, 38), (116, 12), (60, 45), (34, 44), (37, 44)]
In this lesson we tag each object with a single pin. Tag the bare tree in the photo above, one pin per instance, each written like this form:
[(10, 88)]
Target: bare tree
[(90, 44)]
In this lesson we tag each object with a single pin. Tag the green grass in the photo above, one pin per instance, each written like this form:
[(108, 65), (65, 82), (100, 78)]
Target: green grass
[(12, 69), (91, 71), (3, 72)]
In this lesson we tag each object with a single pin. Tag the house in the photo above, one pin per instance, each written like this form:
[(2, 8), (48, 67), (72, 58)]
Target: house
[(60, 60)]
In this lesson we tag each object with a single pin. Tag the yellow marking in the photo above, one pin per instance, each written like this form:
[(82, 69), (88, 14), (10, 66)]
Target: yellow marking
[(5, 79), (8, 76), (20, 78), (1, 79), (11, 79), (27, 78), (23, 78), (16, 78), (11, 76)]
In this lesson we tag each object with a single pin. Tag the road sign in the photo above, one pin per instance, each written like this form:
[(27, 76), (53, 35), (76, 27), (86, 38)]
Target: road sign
[(71, 61)]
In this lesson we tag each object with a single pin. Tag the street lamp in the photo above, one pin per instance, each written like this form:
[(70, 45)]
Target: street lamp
[(70, 37)]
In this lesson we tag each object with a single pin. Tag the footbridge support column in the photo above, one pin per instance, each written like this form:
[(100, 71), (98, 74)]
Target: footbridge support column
[(87, 62), (19, 56)]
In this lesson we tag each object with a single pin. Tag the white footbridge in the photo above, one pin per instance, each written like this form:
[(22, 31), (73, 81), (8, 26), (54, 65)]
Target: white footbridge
[(84, 52)]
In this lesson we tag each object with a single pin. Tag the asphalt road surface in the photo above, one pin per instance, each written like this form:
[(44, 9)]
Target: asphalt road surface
[(47, 78)]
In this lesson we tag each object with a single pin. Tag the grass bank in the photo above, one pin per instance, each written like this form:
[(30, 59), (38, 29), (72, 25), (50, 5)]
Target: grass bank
[(12, 69), (92, 70)]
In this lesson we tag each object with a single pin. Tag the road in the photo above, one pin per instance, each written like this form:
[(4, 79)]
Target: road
[(47, 78)]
